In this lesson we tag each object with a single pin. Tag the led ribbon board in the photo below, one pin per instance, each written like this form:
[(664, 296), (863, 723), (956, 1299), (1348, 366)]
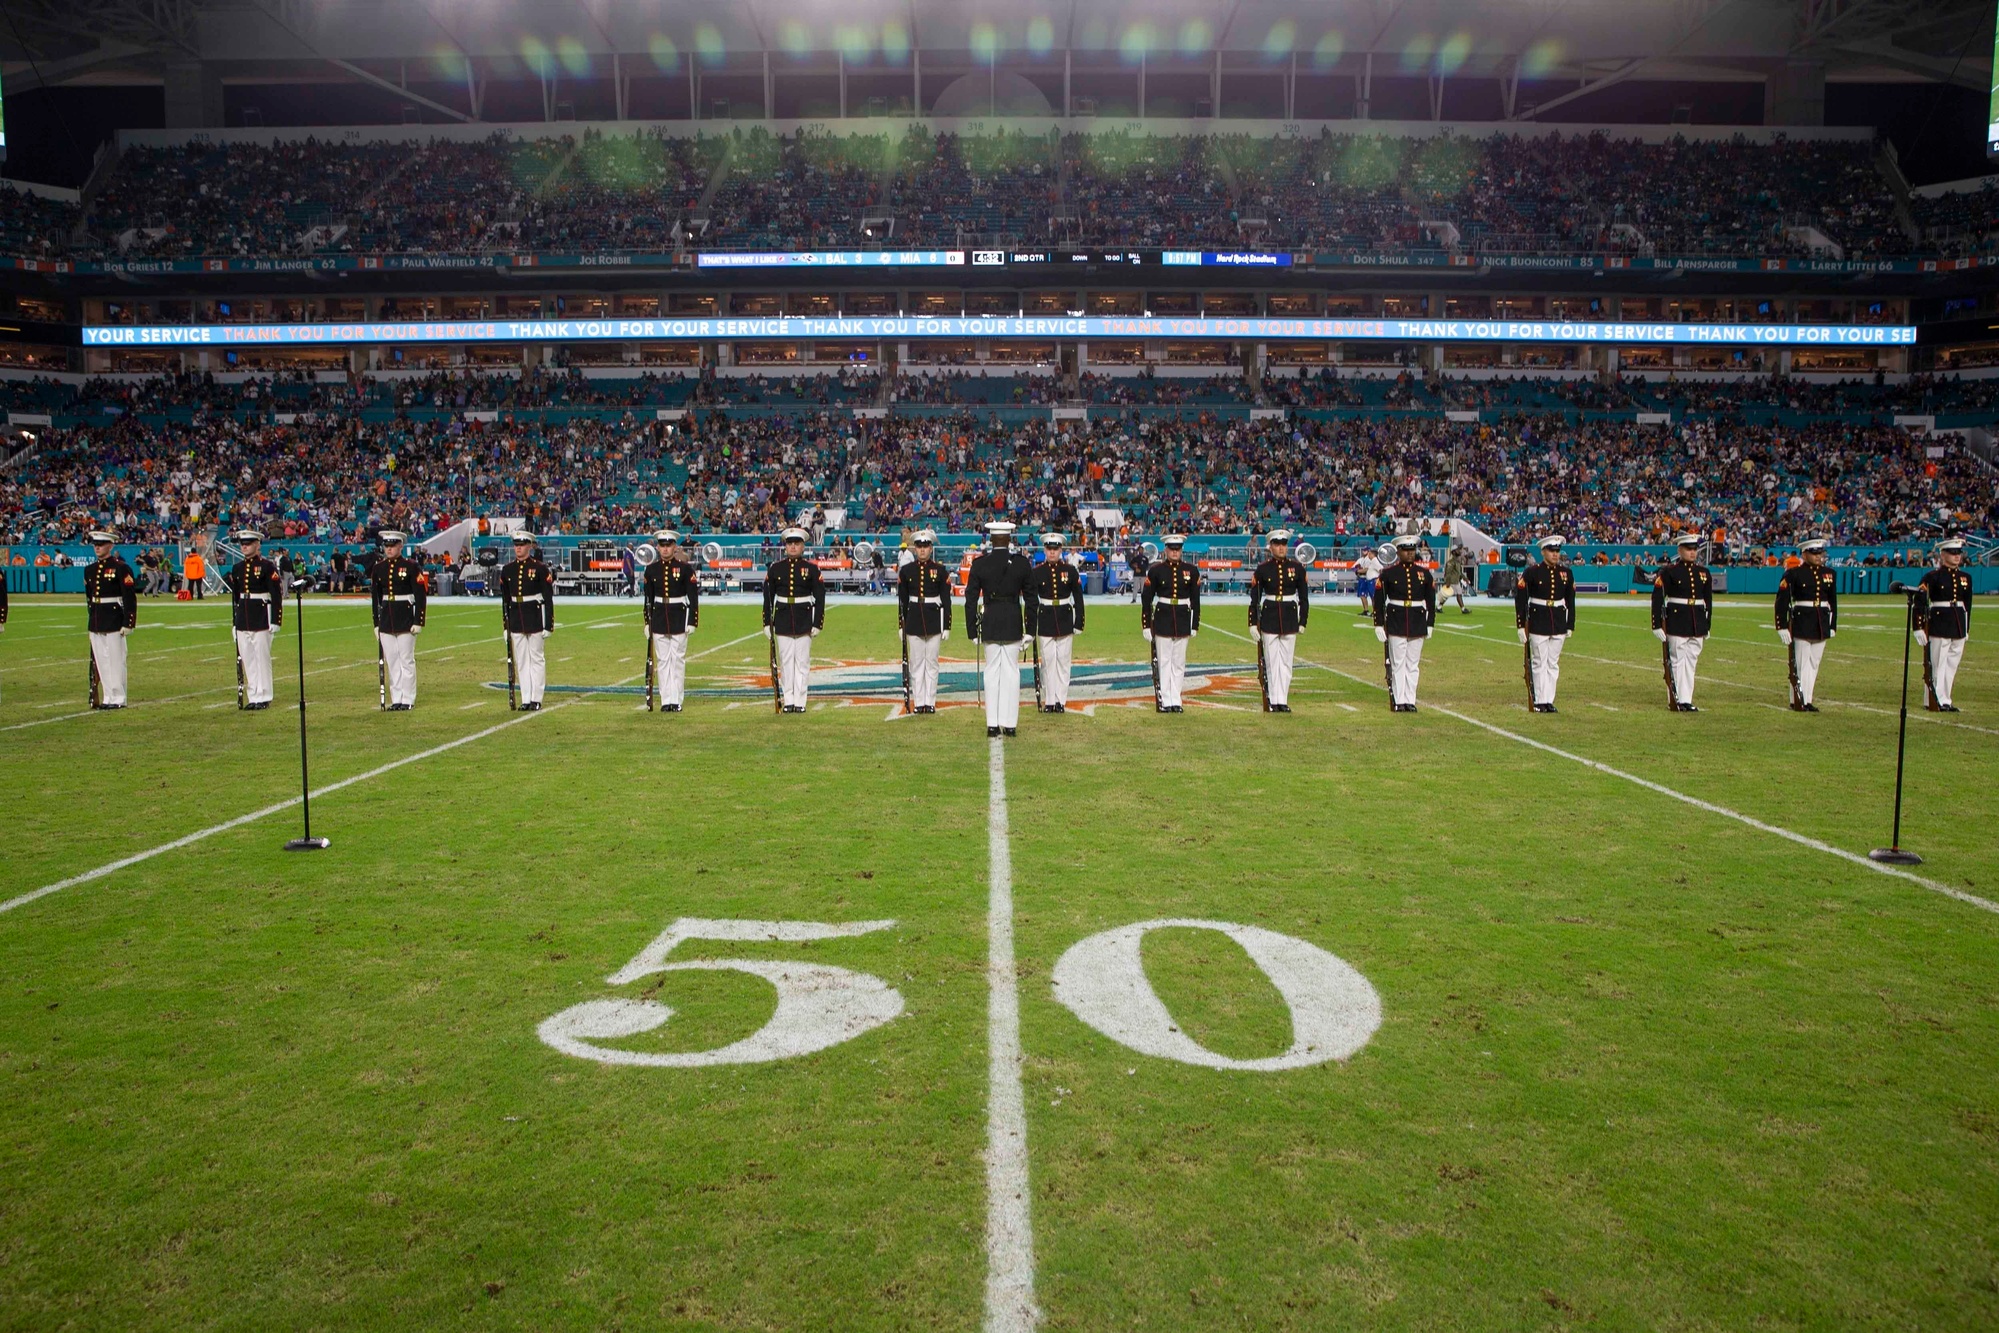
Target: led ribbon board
[(830, 259), (897, 328)]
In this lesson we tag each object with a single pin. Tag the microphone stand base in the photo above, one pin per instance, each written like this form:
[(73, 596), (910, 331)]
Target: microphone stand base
[(1895, 856), (308, 844)]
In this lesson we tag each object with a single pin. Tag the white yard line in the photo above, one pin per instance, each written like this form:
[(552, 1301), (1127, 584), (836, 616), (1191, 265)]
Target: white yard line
[(114, 866), (1971, 899), (1009, 1230), (320, 671), (1915, 715)]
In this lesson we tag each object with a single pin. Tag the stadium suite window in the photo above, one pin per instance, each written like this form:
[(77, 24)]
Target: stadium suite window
[(755, 304), (869, 303), (1300, 303), (1297, 354), (992, 303), (1021, 353), (1049, 303)]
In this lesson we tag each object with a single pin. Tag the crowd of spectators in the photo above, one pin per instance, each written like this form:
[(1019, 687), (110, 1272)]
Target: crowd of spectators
[(332, 476), (35, 227), (1960, 223), (1870, 400), (639, 191)]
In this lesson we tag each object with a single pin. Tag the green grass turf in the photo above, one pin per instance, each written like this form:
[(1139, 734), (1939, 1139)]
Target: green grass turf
[(1640, 1065)]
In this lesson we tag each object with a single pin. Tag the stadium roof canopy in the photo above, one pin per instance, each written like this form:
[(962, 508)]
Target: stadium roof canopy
[(399, 43)]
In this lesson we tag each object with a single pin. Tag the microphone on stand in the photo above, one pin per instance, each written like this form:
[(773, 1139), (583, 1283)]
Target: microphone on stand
[(1894, 853), (307, 843)]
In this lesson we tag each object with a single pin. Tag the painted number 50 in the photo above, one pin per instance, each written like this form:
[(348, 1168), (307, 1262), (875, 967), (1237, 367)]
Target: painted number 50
[(817, 1005)]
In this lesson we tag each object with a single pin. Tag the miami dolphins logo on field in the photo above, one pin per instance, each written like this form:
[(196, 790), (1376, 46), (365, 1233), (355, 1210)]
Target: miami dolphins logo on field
[(851, 683)]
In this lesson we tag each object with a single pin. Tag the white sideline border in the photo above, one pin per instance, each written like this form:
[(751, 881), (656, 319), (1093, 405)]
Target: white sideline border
[(1934, 886), (188, 840)]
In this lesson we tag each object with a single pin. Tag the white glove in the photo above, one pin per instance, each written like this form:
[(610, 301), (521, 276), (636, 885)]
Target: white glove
[(1659, 634), (126, 632), (770, 631), (550, 630), (1523, 635), (945, 636), (1922, 639), (1784, 637), (690, 631), (1193, 634), (1832, 634), (1145, 634), (814, 634), (1380, 634), (416, 629)]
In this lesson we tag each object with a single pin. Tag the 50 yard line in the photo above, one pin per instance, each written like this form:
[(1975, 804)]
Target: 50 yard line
[(1009, 1228)]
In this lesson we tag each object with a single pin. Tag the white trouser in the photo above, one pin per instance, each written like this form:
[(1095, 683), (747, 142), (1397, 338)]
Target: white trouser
[(108, 650), (1682, 655), (1806, 653), (923, 670), (1278, 652), (1057, 653), (1544, 664), (1405, 667), (669, 668), (1945, 654), (399, 653), (253, 649), (1172, 669), (530, 665), (794, 667), (1003, 684)]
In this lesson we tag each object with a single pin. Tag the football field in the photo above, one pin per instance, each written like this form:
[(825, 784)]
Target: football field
[(599, 1019)]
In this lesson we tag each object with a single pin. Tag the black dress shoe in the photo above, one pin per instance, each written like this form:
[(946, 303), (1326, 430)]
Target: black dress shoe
[(1280, 708), (992, 733), (1548, 708), (1009, 731), (1688, 708), (1809, 708), (672, 708), (1952, 708), (531, 708)]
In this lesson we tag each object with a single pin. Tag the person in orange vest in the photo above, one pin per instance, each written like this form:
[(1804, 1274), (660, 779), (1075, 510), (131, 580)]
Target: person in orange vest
[(193, 570)]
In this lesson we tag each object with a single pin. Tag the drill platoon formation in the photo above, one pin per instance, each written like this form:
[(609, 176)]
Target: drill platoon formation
[(1011, 602)]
